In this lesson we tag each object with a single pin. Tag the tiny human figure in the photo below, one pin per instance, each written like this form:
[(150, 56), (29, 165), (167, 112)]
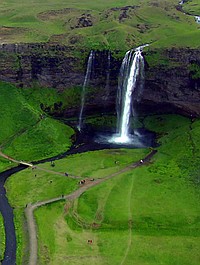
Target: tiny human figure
[(89, 241), (82, 182), (141, 161), (66, 174), (52, 163)]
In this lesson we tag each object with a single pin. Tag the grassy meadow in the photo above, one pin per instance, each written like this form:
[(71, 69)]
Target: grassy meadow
[(149, 215), (36, 185), (99, 24)]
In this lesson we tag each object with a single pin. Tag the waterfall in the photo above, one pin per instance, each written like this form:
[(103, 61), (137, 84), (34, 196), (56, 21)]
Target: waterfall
[(197, 19), (129, 91), (85, 84), (108, 75)]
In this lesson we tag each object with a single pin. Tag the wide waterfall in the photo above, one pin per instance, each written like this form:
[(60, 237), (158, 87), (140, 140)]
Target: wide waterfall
[(129, 91), (85, 84)]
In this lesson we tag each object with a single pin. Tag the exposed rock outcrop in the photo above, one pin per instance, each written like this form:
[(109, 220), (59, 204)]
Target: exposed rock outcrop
[(172, 76)]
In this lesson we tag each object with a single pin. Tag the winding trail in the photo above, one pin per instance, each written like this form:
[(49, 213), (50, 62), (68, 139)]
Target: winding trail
[(36, 167), (29, 211)]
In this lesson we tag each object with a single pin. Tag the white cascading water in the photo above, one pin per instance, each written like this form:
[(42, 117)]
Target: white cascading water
[(197, 19), (85, 84), (130, 74), (108, 74)]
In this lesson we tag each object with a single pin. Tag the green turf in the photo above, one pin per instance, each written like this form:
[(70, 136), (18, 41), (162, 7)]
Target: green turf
[(35, 135), (148, 22), (45, 185), (2, 238), (21, 236), (146, 216), (149, 215)]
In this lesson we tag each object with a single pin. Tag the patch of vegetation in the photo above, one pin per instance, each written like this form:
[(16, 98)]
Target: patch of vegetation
[(2, 238), (194, 70), (192, 7), (157, 57), (21, 236)]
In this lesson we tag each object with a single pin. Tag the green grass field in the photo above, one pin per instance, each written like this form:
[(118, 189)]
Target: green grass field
[(146, 216), (44, 185), (99, 24)]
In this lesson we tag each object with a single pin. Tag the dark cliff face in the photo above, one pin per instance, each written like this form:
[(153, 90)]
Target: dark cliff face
[(172, 76), (173, 82)]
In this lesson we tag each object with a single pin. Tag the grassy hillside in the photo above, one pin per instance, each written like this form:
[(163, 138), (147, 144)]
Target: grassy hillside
[(26, 133), (97, 24), (149, 215)]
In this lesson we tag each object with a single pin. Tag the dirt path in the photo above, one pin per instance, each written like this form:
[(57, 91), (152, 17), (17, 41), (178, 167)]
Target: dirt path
[(32, 228), (36, 167)]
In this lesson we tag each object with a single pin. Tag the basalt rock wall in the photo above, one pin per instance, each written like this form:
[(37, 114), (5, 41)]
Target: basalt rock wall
[(172, 76), (172, 81)]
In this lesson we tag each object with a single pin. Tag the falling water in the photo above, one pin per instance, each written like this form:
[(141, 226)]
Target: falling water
[(108, 76), (129, 89), (85, 84), (197, 19)]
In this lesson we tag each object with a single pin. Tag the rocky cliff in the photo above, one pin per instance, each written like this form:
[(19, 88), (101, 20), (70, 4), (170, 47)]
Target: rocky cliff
[(172, 76)]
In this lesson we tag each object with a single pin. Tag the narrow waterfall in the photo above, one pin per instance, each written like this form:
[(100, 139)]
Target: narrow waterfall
[(129, 90), (108, 75), (85, 84)]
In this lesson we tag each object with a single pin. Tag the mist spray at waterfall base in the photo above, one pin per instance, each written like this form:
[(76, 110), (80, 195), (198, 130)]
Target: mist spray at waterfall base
[(140, 138), (91, 138)]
